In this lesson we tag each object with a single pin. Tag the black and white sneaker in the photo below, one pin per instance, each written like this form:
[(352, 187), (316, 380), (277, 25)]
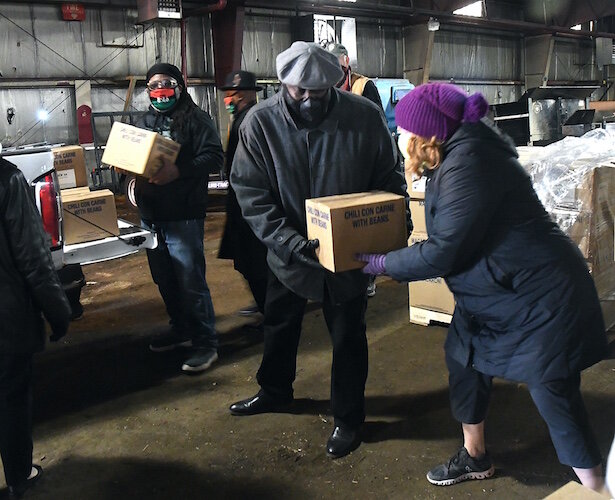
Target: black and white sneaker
[(200, 360), (169, 341), (461, 467)]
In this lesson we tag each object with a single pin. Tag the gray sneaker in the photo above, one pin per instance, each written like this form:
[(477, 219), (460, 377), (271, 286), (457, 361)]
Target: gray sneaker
[(461, 467), (200, 360), (169, 341)]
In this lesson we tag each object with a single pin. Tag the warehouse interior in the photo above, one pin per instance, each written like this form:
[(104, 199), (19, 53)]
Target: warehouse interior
[(114, 420)]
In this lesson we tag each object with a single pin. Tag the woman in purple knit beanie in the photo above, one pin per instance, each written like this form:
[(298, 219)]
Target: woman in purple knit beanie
[(526, 307)]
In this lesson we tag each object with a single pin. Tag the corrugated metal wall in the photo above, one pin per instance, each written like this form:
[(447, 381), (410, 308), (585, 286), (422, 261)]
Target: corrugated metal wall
[(95, 49), (264, 37), (573, 60), (38, 45), (490, 60), (379, 47), (379, 50)]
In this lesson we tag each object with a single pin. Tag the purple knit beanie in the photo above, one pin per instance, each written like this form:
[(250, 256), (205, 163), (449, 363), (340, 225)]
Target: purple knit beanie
[(438, 109)]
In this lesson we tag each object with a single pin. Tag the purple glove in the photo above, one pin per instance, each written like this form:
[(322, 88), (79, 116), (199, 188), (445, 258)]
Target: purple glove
[(375, 262)]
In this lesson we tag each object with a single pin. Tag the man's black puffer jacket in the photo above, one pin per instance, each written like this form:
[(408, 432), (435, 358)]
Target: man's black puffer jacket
[(28, 281)]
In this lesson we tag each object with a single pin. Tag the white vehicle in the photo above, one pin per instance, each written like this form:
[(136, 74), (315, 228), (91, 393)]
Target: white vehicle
[(36, 163)]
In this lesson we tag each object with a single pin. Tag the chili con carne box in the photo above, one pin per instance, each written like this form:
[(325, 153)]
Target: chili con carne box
[(371, 222), (69, 162), (88, 215), (138, 150)]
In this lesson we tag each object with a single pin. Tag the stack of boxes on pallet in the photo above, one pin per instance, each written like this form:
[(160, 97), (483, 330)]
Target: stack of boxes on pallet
[(87, 215), (430, 300), (585, 211)]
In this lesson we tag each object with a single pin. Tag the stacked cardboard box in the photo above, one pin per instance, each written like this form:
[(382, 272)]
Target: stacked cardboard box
[(69, 162), (88, 215), (586, 214), (429, 300)]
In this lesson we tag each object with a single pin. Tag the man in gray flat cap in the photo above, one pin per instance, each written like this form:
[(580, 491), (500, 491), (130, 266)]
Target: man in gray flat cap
[(310, 140)]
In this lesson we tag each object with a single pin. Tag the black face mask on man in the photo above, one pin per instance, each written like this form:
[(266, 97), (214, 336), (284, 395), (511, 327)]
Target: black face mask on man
[(312, 110)]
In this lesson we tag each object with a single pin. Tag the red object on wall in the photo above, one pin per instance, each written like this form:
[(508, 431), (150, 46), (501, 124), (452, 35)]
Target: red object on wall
[(84, 124), (73, 12)]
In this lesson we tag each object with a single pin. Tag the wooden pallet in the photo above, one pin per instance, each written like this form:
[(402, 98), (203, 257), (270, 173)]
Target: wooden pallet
[(425, 317)]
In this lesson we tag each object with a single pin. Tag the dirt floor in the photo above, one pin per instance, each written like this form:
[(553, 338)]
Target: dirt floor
[(114, 420)]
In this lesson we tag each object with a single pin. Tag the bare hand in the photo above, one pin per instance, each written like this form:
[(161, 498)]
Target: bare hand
[(167, 173)]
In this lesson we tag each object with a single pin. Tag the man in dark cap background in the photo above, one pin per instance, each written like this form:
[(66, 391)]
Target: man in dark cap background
[(310, 140), (173, 203), (238, 241)]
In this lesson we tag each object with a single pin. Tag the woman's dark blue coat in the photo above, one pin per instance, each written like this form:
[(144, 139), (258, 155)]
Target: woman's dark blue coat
[(526, 306)]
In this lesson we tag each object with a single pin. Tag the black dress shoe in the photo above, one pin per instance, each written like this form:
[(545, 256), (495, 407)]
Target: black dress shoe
[(342, 441), (259, 403), (20, 489)]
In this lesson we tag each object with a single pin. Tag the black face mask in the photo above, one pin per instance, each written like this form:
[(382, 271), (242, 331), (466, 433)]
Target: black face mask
[(311, 111)]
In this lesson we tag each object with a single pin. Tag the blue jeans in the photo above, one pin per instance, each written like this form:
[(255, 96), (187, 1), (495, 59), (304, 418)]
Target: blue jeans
[(178, 268)]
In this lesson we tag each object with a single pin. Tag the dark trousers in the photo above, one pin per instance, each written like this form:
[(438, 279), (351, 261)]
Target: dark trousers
[(559, 402), (177, 265), (258, 287), (16, 416), (346, 323)]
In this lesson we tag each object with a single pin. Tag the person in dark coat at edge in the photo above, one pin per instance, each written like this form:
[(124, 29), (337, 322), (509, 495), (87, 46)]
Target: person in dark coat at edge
[(310, 140), (238, 241), (174, 203), (526, 307), (358, 85), (29, 285)]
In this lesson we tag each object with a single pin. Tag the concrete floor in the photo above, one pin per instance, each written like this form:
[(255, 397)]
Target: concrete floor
[(113, 420)]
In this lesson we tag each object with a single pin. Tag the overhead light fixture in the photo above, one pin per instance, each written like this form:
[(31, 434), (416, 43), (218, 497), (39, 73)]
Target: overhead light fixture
[(433, 24), (42, 115)]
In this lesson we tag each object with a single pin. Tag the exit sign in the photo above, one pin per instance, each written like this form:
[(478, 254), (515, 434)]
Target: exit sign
[(73, 12)]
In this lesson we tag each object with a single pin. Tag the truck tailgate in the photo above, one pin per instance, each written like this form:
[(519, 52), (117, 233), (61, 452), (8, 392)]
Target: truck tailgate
[(131, 239)]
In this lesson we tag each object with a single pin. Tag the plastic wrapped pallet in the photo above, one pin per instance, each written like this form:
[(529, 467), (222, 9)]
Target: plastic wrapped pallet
[(575, 180)]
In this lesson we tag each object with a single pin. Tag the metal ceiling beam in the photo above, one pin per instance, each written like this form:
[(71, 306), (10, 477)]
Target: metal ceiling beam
[(413, 15), (568, 12)]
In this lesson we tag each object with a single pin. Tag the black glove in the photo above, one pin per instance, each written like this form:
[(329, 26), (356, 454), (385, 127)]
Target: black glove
[(59, 330), (304, 253)]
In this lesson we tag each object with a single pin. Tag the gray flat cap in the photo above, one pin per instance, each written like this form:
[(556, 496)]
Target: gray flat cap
[(309, 66)]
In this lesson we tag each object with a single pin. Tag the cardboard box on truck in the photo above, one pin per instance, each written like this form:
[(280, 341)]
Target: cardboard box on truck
[(69, 162), (139, 151), (88, 215), (373, 222)]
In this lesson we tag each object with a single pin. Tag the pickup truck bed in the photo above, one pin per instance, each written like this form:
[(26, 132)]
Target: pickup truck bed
[(36, 163)]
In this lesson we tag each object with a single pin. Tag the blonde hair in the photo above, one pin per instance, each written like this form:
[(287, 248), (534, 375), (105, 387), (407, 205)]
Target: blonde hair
[(423, 154)]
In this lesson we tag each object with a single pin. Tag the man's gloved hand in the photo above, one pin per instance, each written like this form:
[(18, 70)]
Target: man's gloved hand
[(374, 262), (304, 253), (59, 330)]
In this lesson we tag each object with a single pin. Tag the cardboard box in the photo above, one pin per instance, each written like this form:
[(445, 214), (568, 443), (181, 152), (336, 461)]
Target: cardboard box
[(137, 150), (69, 162), (74, 191), (593, 229), (574, 491), (88, 215), (417, 209), (373, 222), (417, 187), (432, 294)]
